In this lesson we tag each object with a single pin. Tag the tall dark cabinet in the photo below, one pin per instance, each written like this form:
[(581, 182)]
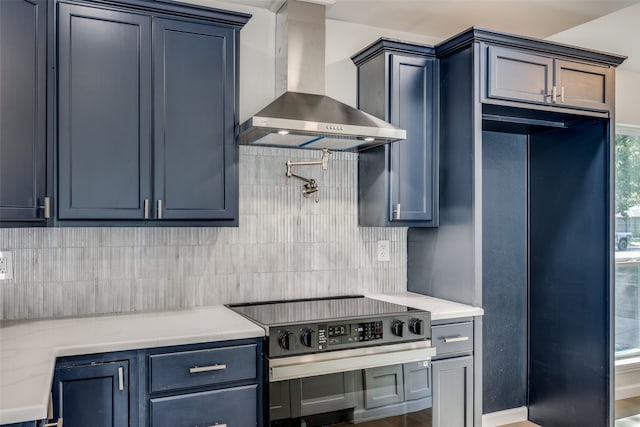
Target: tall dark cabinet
[(23, 150), (526, 219), (398, 183)]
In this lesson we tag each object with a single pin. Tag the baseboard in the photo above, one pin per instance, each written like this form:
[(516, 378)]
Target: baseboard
[(508, 416), (627, 378)]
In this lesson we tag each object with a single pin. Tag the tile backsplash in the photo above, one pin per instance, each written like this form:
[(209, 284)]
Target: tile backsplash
[(286, 246)]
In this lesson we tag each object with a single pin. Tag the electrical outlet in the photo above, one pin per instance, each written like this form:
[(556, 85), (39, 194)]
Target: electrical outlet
[(384, 250), (6, 265)]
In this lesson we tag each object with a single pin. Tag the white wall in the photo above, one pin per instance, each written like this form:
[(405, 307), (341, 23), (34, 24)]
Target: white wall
[(628, 97), (343, 41), (257, 55)]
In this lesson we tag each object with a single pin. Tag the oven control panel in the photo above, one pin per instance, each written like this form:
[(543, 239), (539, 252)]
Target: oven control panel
[(290, 340)]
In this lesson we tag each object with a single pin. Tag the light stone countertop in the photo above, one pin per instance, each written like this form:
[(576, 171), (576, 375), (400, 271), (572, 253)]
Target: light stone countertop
[(28, 349), (440, 309)]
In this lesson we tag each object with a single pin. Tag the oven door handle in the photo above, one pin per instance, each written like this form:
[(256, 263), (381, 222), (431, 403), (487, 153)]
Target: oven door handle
[(332, 362)]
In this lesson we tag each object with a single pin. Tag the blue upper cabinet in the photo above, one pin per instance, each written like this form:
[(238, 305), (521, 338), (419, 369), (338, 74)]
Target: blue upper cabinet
[(194, 147), (23, 67), (398, 183), (550, 81), (147, 113), (104, 115)]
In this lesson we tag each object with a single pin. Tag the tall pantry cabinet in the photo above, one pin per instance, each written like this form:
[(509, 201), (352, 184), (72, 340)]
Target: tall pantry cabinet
[(526, 219)]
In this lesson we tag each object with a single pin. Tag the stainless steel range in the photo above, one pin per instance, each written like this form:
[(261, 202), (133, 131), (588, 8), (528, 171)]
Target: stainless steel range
[(319, 352)]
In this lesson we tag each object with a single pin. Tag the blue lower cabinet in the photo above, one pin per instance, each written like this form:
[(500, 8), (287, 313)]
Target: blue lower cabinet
[(94, 395), (233, 407)]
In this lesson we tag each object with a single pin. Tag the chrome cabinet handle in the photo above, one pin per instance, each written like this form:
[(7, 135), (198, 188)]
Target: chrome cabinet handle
[(46, 206), (210, 368), (146, 208), (562, 94), (56, 424), (120, 378), (455, 339), (218, 425), (396, 211), (159, 209)]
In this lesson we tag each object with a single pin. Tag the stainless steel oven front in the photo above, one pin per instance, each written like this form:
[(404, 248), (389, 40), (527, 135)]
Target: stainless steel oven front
[(381, 386), (344, 360)]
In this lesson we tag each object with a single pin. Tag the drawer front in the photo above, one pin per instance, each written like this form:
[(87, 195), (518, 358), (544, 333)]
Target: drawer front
[(187, 369), (233, 407), (453, 338)]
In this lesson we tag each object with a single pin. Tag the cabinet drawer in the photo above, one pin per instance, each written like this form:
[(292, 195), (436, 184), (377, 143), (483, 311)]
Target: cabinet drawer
[(233, 407), (453, 338), (202, 367)]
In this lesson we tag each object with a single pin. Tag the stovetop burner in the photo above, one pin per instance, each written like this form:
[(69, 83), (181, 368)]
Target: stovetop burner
[(272, 313), (304, 326)]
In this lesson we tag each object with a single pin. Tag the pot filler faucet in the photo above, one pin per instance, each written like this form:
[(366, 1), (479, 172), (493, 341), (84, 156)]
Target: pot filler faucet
[(310, 187)]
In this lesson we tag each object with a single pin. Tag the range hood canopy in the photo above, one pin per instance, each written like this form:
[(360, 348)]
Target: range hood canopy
[(303, 116)]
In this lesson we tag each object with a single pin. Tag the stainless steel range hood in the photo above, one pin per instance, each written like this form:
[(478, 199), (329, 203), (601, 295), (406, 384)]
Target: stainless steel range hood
[(303, 116)]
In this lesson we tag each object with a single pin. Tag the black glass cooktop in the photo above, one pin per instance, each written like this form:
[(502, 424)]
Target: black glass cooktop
[(272, 313)]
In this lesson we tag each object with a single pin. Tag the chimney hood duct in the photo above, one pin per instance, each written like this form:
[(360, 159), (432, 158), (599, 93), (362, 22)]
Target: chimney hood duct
[(303, 117)]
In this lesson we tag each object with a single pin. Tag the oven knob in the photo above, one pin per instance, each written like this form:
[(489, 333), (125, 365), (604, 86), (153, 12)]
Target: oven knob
[(284, 340), (306, 337), (397, 328), (416, 326)]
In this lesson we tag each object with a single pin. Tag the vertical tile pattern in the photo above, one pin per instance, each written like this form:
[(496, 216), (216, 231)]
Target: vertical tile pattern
[(286, 246)]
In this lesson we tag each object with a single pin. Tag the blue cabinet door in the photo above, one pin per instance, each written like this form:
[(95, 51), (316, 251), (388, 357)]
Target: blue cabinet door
[(398, 183), (518, 75), (92, 395), (194, 100), (23, 43), (413, 163), (453, 392), (104, 83)]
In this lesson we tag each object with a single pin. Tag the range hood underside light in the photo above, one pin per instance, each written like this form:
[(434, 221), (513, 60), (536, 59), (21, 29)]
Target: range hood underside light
[(295, 120)]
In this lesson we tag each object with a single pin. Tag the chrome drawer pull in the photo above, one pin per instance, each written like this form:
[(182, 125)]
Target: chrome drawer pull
[(455, 339), (56, 424), (197, 369), (218, 425)]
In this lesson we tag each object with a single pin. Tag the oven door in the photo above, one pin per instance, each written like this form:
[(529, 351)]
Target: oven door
[(381, 386)]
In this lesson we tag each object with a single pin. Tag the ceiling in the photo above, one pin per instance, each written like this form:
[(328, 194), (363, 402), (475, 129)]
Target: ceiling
[(441, 19), (444, 18)]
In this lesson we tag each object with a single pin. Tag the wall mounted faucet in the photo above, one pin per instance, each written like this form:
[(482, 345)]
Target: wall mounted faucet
[(310, 187)]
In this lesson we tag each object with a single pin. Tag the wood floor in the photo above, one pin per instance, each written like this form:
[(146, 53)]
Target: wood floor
[(627, 415)]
